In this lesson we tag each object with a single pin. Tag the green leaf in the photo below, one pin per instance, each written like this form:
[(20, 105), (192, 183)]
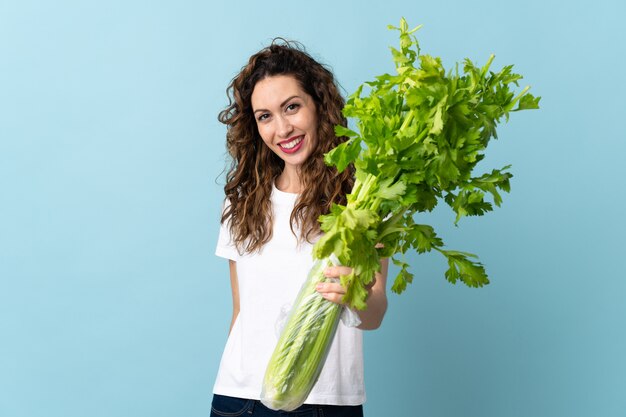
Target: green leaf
[(437, 124), (403, 278), (423, 238), (461, 267), (528, 102), (356, 293), (344, 131), (390, 191), (344, 154)]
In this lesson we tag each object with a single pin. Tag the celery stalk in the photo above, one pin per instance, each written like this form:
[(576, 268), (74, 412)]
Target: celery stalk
[(302, 348)]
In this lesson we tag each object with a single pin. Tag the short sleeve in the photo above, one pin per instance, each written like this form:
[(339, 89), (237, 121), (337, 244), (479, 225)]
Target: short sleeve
[(225, 246)]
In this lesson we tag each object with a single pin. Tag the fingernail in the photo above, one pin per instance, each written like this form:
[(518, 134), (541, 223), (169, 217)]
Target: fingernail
[(319, 286)]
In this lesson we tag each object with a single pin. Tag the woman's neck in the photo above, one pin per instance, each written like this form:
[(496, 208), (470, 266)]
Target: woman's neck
[(289, 182)]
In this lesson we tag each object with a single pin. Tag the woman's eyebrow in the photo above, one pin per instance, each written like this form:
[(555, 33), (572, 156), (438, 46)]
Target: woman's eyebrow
[(281, 104)]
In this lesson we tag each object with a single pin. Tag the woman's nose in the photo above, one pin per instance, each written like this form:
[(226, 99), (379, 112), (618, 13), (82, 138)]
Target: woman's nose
[(284, 127)]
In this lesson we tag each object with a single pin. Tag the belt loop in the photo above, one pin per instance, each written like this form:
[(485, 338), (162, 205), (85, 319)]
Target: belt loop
[(251, 408)]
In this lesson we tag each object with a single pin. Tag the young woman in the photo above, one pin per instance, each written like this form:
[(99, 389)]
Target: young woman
[(280, 122)]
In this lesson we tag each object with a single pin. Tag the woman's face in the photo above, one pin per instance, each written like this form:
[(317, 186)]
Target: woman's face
[(286, 118)]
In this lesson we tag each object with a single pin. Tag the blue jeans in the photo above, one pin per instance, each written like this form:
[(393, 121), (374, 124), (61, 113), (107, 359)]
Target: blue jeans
[(224, 406)]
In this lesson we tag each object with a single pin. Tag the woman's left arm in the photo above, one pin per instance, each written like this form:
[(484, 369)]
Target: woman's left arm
[(372, 316)]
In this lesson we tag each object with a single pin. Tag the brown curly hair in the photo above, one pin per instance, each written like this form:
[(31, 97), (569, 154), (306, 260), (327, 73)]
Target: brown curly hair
[(255, 167)]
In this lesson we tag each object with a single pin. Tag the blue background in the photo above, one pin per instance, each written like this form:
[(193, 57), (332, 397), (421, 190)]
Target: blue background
[(111, 300)]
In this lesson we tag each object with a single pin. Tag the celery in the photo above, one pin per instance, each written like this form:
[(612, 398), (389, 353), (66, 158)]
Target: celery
[(303, 346), (421, 133)]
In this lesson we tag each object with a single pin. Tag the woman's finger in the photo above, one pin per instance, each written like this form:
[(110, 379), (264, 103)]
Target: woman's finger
[(337, 271), (331, 291), (333, 297), (330, 287)]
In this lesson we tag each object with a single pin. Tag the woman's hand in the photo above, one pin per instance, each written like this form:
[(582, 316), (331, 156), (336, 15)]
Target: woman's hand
[(333, 291), (372, 316)]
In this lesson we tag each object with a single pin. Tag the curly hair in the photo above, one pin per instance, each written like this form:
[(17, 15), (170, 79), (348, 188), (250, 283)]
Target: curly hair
[(255, 167)]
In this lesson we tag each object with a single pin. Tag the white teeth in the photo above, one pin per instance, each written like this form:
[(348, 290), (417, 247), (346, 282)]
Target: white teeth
[(291, 144)]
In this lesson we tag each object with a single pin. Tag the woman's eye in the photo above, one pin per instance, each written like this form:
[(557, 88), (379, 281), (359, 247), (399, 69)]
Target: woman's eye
[(263, 117), (293, 106)]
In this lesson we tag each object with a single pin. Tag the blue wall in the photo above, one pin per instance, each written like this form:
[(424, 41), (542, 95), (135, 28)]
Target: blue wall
[(111, 300)]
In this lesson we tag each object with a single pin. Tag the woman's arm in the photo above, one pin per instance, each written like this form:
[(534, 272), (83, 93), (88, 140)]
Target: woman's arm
[(372, 316), (234, 286)]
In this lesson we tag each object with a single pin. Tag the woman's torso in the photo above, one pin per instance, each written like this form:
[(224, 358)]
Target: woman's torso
[(268, 283)]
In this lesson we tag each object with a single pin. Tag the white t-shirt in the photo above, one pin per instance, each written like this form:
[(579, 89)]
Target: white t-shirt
[(268, 283)]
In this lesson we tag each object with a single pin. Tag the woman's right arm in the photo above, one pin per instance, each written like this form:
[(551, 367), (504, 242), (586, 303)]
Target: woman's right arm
[(234, 286)]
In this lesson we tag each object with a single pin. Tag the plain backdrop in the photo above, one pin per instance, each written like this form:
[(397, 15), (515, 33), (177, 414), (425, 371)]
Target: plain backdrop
[(112, 302)]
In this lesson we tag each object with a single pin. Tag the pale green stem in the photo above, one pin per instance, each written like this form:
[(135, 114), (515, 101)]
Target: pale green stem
[(408, 120), (487, 65), (364, 189), (356, 188), (390, 223), (517, 98)]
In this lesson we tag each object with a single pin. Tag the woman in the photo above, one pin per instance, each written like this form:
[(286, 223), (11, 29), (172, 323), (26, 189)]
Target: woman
[(283, 109)]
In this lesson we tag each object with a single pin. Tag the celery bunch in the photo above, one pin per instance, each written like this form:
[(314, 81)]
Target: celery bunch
[(421, 133), (302, 347)]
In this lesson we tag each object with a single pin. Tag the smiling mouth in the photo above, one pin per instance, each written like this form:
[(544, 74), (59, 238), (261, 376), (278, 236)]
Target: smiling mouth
[(292, 143)]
